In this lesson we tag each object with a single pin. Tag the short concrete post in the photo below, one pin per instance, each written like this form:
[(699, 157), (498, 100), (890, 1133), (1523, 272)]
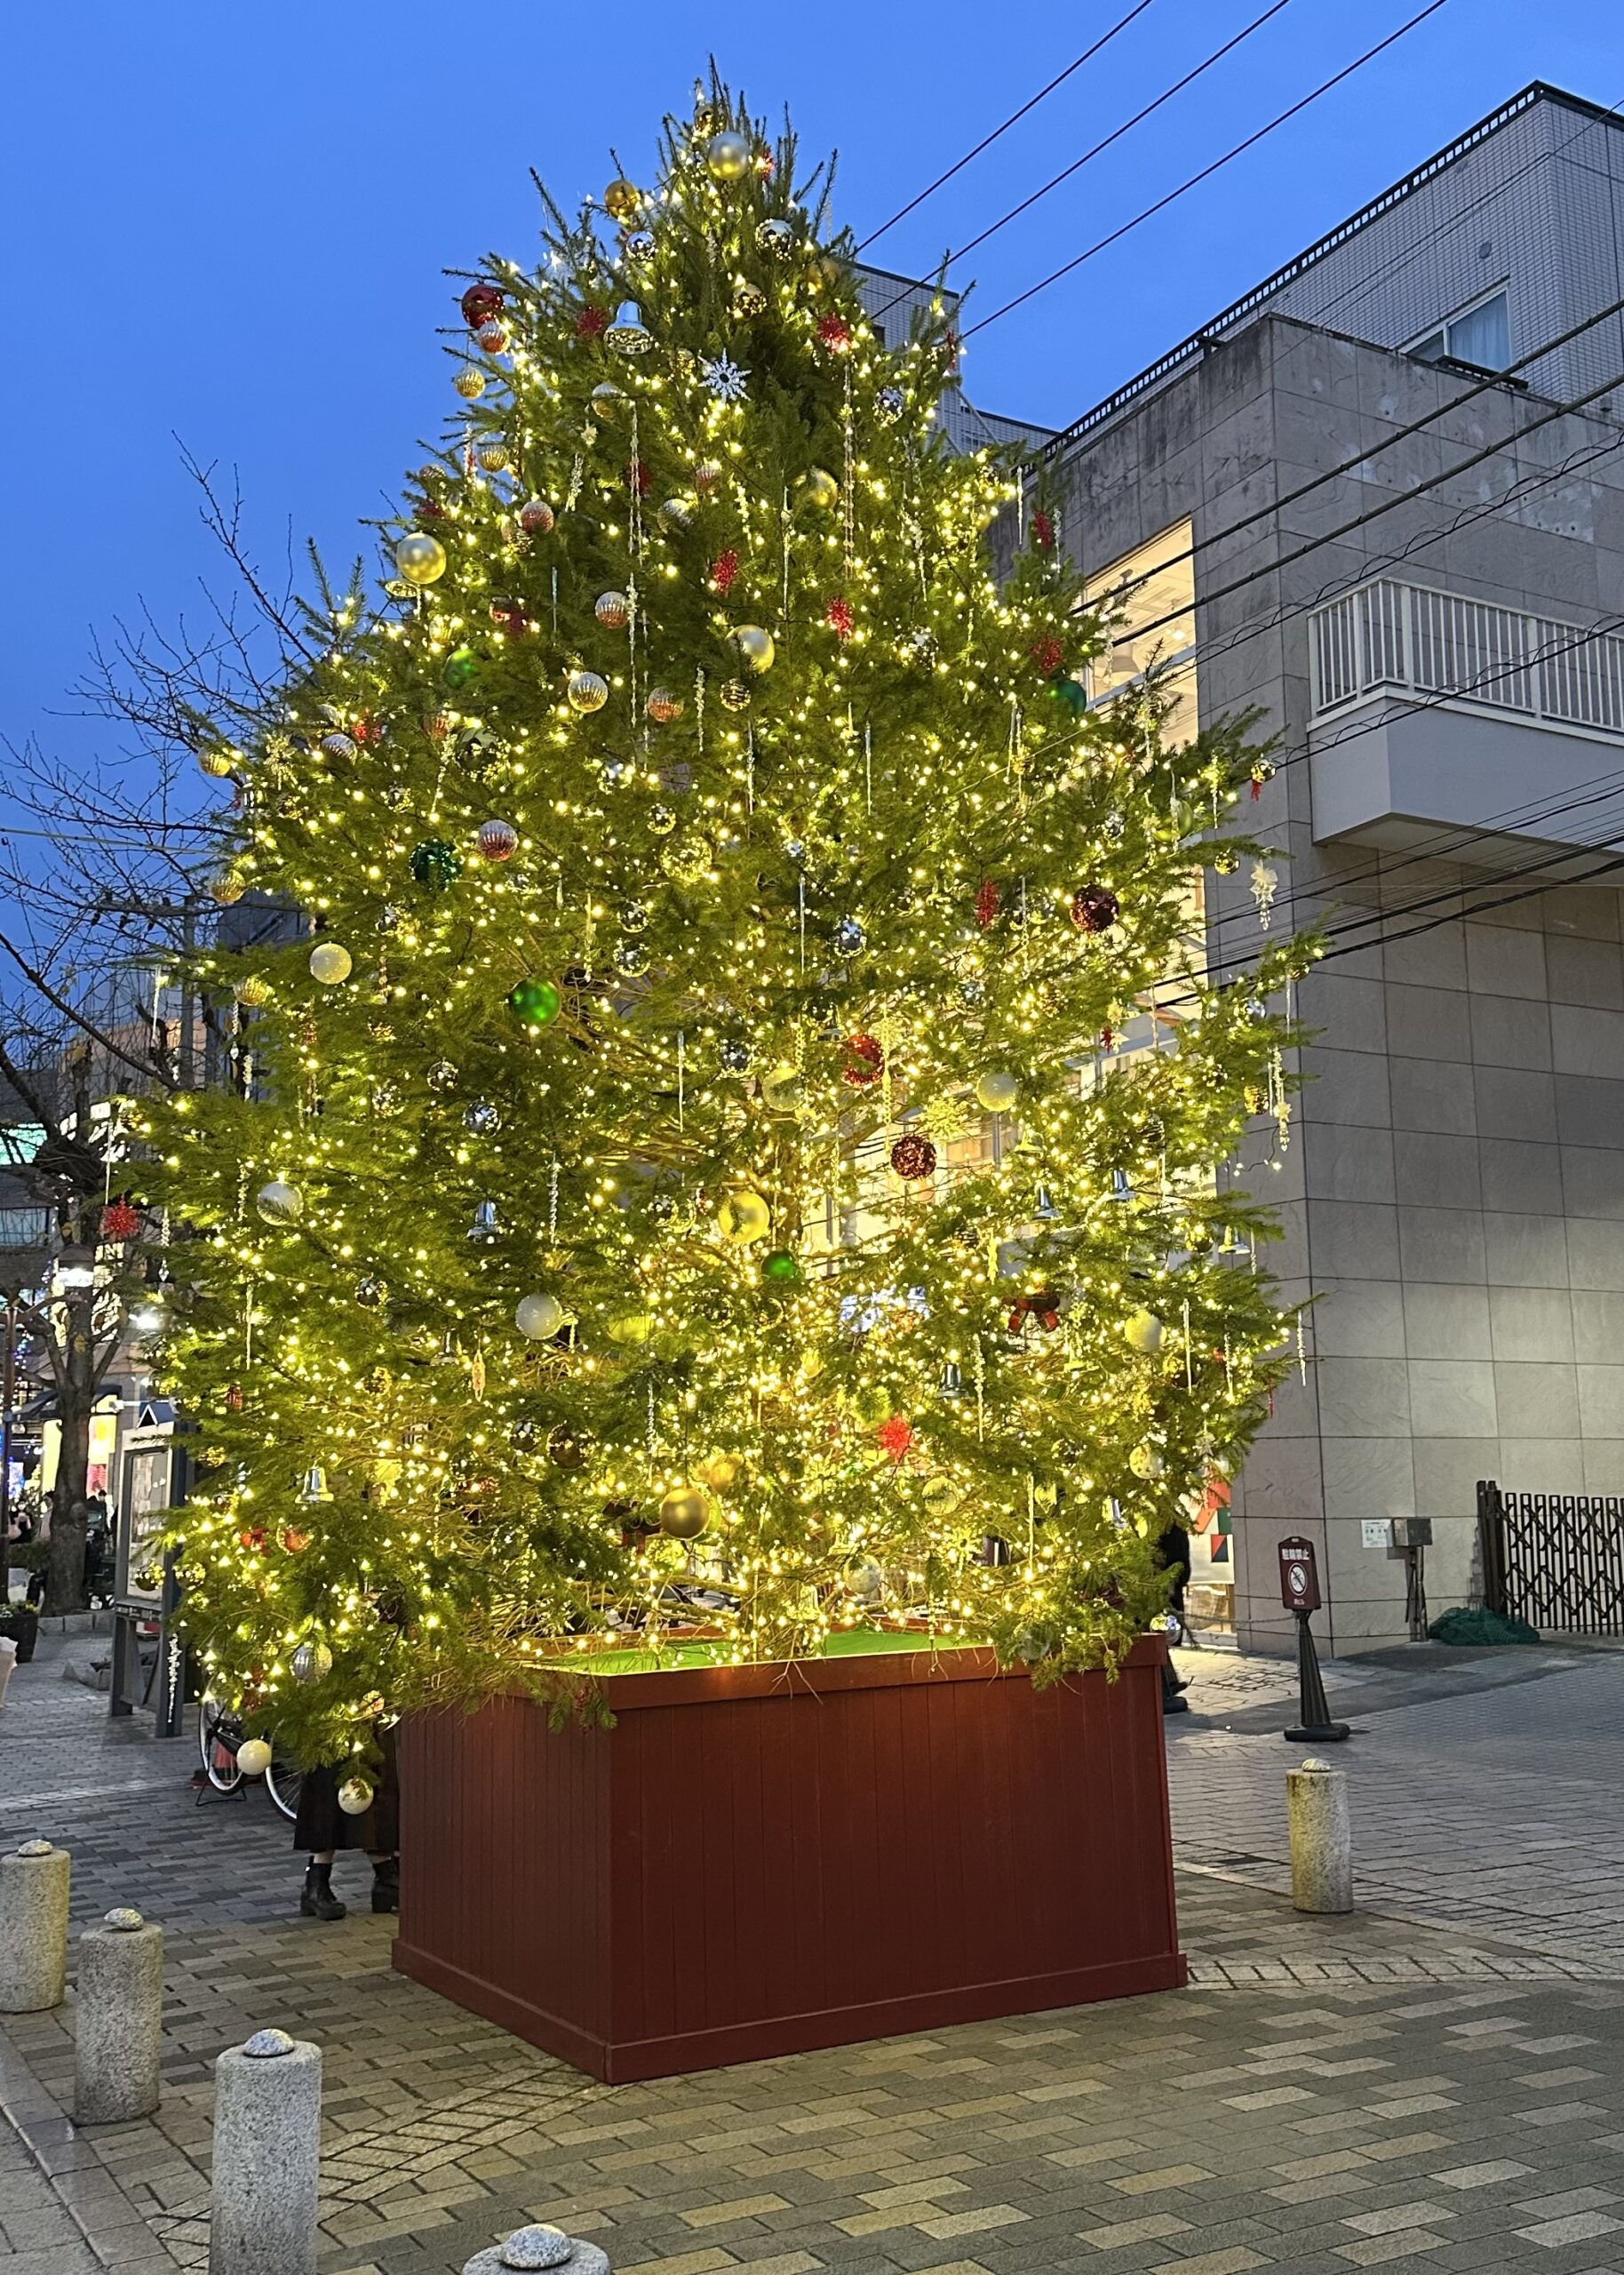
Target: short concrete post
[(33, 1928), (1321, 1837), (538, 2247), (267, 2144), (118, 2023)]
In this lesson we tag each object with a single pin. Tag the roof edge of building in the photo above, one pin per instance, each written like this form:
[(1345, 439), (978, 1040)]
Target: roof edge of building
[(1166, 365)]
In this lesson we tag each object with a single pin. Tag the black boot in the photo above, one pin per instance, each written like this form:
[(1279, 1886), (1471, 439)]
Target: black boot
[(318, 1902), (386, 1885)]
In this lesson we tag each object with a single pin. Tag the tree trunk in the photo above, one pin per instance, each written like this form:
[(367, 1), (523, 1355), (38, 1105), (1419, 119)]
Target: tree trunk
[(76, 1394)]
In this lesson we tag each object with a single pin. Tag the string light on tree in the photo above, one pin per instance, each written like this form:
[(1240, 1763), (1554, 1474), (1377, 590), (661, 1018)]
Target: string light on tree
[(683, 1153)]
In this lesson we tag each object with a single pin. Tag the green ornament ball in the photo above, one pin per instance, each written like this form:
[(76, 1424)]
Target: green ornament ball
[(537, 1001), (435, 864), (781, 1268), (461, 669)]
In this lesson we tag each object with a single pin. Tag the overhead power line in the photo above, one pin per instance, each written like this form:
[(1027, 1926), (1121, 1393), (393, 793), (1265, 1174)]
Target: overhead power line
[(1207, 172), (1014, 119)]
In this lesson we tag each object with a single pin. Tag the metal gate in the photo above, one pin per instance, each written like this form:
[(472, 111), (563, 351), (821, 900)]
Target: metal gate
[(1556, 1560)]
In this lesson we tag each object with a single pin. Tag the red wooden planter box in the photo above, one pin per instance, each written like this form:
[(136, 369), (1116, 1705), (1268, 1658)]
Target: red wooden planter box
[(757, 1860)]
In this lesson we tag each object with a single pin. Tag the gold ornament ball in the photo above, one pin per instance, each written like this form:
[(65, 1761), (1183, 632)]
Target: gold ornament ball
[(588, 691), (612, 611), (719, 1472), (420, 558), (727, 156), (940, 1496), (622, 199), (752, 643), (743, 1218), (782, 1089), (252, 993), (470, 382), (997, 1090), (663, 706), (735, 695), (218, 762), (749, 301), (1144, 1332), (684, 1512), (493, 453), (329, 964), (605, 400), (227, 886), (819, 490), (253, 1757)]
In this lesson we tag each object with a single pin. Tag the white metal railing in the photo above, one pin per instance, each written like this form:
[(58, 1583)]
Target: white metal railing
[(1416, 637)]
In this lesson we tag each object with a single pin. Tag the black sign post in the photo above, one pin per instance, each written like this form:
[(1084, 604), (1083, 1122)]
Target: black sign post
[(147, 1592), (1299, 1593)]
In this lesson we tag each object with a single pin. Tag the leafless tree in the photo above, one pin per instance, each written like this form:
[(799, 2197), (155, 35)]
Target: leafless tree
[(104, 896)]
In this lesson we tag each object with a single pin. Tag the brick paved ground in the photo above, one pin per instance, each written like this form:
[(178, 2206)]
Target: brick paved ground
[(1328, 2096)]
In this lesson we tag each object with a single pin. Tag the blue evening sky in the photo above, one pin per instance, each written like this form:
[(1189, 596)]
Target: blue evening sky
[(226, 224)]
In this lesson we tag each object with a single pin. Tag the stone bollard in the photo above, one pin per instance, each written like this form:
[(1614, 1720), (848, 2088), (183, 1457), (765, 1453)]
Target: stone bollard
[(267, 2145), (118, 2024), (538, 2247), (1322, 1841), (33, 1928)]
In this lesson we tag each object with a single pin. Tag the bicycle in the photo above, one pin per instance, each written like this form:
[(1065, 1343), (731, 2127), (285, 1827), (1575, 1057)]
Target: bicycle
[(220, 1736)]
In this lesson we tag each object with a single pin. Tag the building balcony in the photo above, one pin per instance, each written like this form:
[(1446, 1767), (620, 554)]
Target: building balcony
[(1469, 729)]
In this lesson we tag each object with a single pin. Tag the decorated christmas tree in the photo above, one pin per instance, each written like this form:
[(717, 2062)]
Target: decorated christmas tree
[(686, 1180)]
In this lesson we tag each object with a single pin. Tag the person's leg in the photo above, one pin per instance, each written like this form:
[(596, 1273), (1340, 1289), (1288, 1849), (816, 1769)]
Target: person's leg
[(318, 1901), (385, 1880)]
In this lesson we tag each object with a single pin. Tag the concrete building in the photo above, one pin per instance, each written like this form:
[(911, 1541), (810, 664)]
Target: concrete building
[(1358, 499)]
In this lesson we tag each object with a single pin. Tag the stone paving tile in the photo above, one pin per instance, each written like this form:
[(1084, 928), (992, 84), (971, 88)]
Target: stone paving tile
[(1329, 2093)]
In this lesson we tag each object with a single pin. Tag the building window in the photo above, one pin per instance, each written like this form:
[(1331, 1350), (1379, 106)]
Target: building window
[(1147, 601), (1480, 335)]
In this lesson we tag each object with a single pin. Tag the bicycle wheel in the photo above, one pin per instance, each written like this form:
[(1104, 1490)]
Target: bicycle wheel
[(283, 1782), (219, 1737)]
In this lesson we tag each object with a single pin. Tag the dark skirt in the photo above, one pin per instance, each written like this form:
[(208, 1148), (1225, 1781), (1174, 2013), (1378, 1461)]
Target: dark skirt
[(322, 1823)]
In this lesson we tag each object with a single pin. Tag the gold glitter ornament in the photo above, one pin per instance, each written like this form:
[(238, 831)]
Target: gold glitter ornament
[(588, 691)]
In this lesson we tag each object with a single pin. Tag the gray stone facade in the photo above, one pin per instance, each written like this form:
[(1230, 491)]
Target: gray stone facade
[(1452, 1192)]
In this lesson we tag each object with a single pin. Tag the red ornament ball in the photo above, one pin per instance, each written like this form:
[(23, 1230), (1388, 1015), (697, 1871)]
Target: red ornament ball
[(492, 338), (865, 1062), (591, 323), (1094, 909), (479, 303), (535, 517), (840, 619), (913, 1156), (499, 840), (1048, 655), (895, 1435), (989, 900), (120, 1221)]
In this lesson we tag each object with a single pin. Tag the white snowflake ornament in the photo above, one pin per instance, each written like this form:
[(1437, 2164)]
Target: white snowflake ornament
[(724, 378)]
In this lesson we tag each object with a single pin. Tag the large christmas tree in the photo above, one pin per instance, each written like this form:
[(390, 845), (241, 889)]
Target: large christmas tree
[(688, 1180)]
